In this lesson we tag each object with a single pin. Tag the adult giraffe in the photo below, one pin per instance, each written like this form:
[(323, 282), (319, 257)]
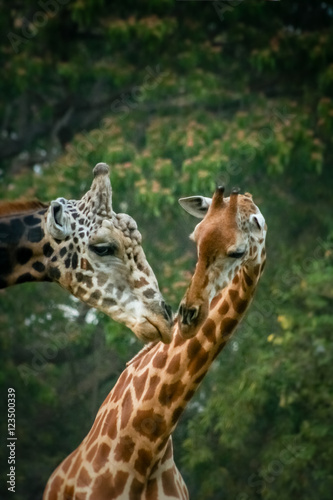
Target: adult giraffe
[(90, 251), (127, 455)]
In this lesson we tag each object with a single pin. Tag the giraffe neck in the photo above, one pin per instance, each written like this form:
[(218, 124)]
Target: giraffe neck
[(128, 451), (173, 372), (23, 243)]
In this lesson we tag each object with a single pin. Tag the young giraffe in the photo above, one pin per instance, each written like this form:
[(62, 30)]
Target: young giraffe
[(90, 251), (127, 455)]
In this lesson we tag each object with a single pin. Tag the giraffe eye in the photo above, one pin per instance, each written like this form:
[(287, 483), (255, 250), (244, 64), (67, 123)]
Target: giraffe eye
[(237, 254), (103, 250)]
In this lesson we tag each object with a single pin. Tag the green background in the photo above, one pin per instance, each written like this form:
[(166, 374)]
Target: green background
[(177, 96)]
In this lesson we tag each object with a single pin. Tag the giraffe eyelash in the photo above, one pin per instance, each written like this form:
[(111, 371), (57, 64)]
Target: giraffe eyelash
[(103, 250), (236, 255)]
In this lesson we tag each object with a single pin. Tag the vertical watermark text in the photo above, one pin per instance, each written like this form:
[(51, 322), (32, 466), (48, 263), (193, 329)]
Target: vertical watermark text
[(11, 440)]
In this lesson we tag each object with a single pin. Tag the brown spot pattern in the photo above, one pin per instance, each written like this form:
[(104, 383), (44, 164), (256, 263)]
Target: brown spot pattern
[(149, 293), (168, 482), (136, 490), (219, 349), (198, 356), (149, 424), (120, 481), (96, 295), (95, 431), (224, 308), (170, 393), (150, 393), (240, 306), (179, 340), (146, 358), (256, 270), (208, 330), (248, 279), (69, 492), (215, 300), (139, 384), (75, 466), (190, 393), (176, 415), (228, 324), (174, 364), (124, 449), (193, 348), (84, 478), (101, 456), (143, 462), (110, 423), (141, 282), (234, 295), (106, 487), (55, 488), (159, 360), (236, 279), (120, 387), (80, 291), (152, 490), (91, 453), (199, 379), (109, 302), (162, 444), (102, 279), (127, 409)]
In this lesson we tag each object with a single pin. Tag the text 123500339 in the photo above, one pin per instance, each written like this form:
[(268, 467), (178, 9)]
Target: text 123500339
[(11, 441)]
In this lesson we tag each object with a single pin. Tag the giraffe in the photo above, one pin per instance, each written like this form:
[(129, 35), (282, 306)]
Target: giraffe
[(88, 249), (127, 454)]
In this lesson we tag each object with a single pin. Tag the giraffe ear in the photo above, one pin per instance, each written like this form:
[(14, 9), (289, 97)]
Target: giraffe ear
[(196, 205), (257, 221), (58, 223)]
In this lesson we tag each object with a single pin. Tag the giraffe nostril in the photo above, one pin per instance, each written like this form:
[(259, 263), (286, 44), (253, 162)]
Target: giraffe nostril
[(188, 314), (167, 311)]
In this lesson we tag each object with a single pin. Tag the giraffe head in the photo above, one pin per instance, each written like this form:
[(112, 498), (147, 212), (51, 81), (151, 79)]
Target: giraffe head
[(231, 234), (97, 256)]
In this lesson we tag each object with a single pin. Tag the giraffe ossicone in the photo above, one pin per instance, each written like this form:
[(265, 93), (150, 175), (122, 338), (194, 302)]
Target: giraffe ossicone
[(128, 455), (91, 251)]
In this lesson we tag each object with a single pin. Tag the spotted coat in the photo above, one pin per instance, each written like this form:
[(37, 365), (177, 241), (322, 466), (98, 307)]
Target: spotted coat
[(91, 251), (127, 455)]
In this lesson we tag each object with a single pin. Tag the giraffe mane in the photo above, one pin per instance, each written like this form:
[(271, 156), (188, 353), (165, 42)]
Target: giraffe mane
[(19, 207), (142, 352)]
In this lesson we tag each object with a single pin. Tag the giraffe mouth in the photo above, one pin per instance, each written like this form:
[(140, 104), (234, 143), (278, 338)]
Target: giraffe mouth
[(157, 333)]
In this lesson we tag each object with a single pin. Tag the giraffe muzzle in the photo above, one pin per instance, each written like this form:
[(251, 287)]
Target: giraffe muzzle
[(190, 319), (188, 315)]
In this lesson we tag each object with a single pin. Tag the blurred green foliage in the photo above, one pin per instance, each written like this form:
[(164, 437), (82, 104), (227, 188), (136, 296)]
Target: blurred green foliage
[(190, 94)]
